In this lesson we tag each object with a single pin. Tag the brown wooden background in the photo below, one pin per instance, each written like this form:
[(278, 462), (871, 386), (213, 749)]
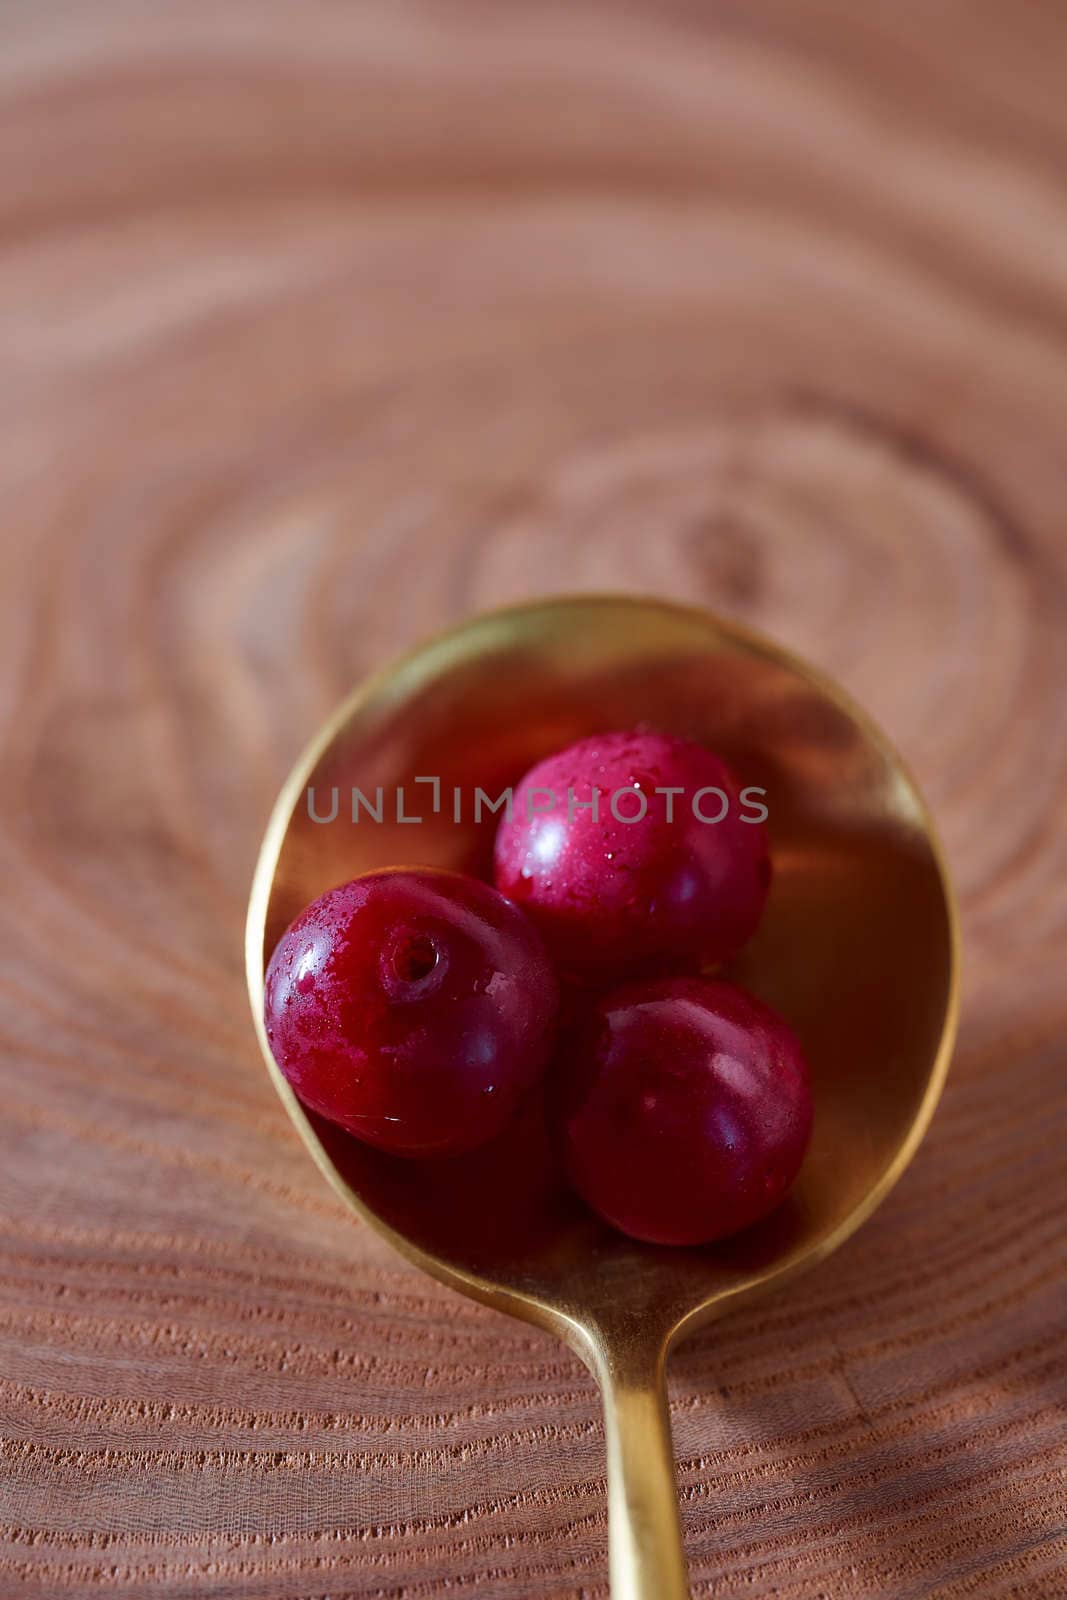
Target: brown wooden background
[(324, 325)]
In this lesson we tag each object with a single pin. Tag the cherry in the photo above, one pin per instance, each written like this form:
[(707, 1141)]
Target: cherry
[(414, 1008), (683, 1109), (649, 880)]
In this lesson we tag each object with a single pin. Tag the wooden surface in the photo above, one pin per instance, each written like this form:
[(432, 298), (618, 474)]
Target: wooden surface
[(324, 325)]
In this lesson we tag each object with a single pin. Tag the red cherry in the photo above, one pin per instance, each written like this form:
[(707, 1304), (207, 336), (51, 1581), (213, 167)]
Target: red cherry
[(665, 885), (414, 1008), (684, 1109)]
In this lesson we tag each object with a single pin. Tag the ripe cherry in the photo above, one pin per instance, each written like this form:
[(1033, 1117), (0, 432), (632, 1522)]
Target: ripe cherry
[(660, 868), (414, 1008), (683, 1109)]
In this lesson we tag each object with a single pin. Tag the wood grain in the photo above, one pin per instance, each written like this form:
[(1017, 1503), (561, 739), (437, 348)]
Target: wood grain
[(325, 325)]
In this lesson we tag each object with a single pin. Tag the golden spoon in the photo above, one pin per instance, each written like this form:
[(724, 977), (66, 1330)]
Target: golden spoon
[(858, 949)]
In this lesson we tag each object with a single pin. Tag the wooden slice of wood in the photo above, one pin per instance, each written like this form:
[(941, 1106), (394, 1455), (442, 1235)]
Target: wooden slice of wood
[(324, 326)]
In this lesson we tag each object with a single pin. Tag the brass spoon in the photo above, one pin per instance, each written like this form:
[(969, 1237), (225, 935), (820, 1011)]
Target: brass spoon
[(858, 949)]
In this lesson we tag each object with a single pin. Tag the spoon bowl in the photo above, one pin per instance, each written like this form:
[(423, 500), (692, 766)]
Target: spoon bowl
[(858, 949)]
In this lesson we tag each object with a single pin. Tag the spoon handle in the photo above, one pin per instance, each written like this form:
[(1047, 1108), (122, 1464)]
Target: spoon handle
[(646, 1557)]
